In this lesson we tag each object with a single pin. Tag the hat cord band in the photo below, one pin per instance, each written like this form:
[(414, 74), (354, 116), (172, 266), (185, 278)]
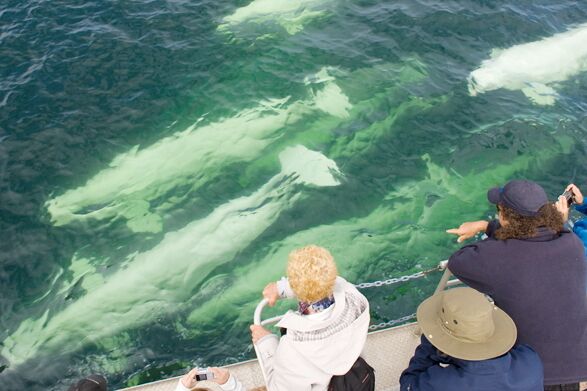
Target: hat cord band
[(477, 338)]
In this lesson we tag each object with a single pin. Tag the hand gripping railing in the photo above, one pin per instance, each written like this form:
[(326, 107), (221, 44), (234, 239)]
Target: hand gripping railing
[(444, 282), (257, 316)]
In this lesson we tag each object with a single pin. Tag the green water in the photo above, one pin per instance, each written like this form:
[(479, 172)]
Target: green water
[(158, 161)]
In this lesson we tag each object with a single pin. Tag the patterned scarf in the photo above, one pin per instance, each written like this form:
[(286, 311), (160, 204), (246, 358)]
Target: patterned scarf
[(317, 306)]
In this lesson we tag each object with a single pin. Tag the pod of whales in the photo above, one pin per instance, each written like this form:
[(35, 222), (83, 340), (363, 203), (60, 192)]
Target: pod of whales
[(344, 114), (407, 222), (167, 274), (133, 180)]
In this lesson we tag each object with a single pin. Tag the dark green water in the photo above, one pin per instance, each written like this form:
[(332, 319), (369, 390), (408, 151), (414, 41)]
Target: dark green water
[(159, 159)]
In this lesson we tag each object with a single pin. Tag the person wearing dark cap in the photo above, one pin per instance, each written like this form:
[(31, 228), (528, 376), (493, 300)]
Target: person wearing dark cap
[(469, 344), (536, 271), (90, 383)]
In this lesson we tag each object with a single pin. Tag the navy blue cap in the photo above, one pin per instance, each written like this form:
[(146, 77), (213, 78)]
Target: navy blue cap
[(524, 197)]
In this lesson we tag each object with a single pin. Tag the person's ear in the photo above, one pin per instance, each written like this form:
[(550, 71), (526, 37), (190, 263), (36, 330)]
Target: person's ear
[(502, 220)]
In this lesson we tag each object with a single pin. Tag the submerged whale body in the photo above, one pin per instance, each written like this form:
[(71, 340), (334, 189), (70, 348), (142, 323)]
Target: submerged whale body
[(533, 67), (362, 240), (160, 280), (135, 179), (292, 15)]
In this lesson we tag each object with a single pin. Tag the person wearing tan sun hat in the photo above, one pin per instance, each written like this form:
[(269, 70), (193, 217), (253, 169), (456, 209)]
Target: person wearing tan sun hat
[(469, 344)]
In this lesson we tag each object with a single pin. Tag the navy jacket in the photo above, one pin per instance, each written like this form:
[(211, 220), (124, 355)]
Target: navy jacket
[(518, 370), (541, 282)]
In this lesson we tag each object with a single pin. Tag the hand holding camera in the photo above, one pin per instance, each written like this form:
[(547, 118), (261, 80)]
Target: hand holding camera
[(575, 193), (571, 195), (216, 375), (204, 374)]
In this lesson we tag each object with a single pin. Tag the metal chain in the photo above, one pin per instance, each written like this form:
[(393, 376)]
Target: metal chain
[(391, 322), (441, 266), (396, 280)]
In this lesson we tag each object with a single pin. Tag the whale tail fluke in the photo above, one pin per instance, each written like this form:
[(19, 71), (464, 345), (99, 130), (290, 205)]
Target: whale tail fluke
[(310, 167)]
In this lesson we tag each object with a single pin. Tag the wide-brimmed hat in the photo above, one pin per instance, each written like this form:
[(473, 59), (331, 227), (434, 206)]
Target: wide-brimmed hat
[(524, 197), (464, 323)]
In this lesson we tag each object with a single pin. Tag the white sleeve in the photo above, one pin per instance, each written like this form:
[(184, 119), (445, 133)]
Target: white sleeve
[(284, 289), (181, 387), (232, 384), (266, 347), (281, 368)]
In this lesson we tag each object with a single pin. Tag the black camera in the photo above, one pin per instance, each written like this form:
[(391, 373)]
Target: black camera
[(569, 196), (204, 374)]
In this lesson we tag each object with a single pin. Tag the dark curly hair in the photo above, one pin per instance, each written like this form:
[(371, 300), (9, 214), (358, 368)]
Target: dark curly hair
[(521, 227)]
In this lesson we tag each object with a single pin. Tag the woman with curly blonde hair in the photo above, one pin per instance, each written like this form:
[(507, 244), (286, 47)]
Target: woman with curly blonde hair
[(327, 333)]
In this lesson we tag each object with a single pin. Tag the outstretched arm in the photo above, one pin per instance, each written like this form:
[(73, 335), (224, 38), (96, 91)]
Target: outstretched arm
[(469, 229)]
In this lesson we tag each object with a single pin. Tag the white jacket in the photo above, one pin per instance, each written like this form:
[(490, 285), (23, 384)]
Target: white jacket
[(317, 346)]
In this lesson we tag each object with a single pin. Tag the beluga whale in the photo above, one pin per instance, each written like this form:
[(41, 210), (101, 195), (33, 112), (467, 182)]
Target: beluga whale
[(406, 224), (133, 184), (292, 15), (534, 68), (159, 281)]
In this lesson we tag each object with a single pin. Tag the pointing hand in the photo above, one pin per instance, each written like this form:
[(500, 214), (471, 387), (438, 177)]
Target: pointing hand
[(468, 229)]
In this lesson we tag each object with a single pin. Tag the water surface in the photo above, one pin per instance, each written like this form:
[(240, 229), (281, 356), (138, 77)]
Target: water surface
[(159, 159)]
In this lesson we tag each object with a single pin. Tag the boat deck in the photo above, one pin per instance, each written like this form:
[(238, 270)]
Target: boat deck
[(387, 351)]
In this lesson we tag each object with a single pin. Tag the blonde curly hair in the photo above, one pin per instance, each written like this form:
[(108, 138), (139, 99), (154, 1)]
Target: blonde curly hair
[(311, 272)]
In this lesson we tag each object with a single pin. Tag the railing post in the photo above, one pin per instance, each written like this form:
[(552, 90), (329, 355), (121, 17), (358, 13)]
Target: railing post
[(257, 321), (443, 281), (258, 311), (440, 287)]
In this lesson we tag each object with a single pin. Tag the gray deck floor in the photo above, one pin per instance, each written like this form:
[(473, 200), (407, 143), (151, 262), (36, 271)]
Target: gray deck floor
[(387, 351)]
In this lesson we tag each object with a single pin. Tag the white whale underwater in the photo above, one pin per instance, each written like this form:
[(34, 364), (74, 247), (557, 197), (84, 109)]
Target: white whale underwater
[(404, 226), (534, 68), (292, 15), (161, 280), (195, 156), (141, 185)]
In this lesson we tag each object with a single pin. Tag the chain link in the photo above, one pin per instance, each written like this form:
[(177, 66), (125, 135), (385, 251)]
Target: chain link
[(393, 281), (397, 280), (392, 322)]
